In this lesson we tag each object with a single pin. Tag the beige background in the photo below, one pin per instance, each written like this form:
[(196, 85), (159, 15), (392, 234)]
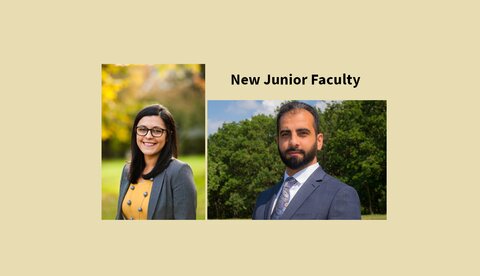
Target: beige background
[(422, 58)]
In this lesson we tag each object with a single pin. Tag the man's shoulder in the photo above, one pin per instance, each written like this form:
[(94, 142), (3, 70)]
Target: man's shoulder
[(333, 180), (268, 193), (262, 201), (334, 183), (269, 190)]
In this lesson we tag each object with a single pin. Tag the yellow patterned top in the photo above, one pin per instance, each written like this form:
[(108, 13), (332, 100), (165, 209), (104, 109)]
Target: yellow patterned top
[(135, 203)]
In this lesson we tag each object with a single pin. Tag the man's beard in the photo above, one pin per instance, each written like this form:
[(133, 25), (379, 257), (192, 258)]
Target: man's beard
[(298, 162)]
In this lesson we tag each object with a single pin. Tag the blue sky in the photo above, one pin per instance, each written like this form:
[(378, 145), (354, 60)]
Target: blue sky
[(220, 112)]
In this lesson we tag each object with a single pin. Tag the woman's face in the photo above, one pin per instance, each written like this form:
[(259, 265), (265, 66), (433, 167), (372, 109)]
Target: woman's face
[(149, 144)]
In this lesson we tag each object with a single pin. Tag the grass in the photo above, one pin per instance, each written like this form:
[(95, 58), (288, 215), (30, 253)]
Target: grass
[(374, 217), (112, 170)]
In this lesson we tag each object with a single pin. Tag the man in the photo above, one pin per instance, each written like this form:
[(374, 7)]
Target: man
[(306, 191)]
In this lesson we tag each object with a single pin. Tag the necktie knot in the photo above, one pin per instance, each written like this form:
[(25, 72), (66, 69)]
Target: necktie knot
[(289, 182)]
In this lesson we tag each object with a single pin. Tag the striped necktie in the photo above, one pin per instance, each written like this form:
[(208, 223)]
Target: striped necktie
[(284, 198)]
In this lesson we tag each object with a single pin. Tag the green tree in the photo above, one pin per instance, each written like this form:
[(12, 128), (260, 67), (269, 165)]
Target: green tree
[(242, 162), (243, 158), (355, 149), (126, 89)]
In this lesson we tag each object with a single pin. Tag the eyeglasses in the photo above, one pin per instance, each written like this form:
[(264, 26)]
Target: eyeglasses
[(156, 131)]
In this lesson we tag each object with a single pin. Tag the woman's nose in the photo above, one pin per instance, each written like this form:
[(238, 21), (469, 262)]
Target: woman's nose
[(149, 133)]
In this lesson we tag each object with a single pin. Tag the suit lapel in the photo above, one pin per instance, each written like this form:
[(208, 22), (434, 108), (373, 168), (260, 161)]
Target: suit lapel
[(269, 205), (305, 191), (123, 191), (155, 193)]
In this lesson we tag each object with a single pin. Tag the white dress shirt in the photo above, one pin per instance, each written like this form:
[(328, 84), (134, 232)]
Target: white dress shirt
[(300, 177)]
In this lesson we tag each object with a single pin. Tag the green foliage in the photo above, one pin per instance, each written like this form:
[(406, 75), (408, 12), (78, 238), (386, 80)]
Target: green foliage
[(243, 159), (126, 89), (355, 149), (242, 162)]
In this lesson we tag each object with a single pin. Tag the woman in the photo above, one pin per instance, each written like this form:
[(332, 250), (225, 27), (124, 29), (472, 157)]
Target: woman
[(156, 185)]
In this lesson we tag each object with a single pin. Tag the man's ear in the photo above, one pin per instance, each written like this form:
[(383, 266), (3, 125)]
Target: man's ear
[(319, 141)]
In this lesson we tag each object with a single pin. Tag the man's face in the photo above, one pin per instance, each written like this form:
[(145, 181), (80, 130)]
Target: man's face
[(297, 142)]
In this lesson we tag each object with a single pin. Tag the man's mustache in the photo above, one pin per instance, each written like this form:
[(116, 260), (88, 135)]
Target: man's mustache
[(295, 149)]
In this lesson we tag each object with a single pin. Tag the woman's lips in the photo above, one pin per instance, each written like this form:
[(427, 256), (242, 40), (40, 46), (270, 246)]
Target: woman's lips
[(149, 144)]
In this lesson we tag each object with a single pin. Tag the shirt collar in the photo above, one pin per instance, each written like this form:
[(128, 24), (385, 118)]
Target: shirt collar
[(302, 175)]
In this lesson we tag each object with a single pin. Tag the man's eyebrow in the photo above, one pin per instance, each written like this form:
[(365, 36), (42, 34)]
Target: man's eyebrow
[(302, 130)]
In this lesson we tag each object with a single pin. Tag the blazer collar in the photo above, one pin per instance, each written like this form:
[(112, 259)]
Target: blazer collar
[(155, 193), (124, 183), (269, 206), (312, 183)]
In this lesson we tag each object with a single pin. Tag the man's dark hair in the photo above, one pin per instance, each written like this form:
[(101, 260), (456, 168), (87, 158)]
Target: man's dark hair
[(287, 107), (169, 150)]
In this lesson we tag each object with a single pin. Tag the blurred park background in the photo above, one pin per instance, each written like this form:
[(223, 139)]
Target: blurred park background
[(243, 159), (126, 89)]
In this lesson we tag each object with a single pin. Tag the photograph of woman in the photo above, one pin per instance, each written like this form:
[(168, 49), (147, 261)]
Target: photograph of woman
[(155, 184)]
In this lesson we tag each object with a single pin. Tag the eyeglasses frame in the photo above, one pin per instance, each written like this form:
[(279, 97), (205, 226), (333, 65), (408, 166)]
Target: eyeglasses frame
[(150, 130)]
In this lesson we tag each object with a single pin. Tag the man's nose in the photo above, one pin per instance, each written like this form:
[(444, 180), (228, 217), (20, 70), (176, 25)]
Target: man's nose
[(294, 140)]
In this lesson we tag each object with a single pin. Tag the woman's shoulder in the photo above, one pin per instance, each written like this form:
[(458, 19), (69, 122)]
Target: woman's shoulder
[(126, 167), (124, 180), (177, 165)]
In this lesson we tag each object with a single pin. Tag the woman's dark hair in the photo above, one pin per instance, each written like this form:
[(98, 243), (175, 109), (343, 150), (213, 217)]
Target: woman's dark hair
[(169, 150)]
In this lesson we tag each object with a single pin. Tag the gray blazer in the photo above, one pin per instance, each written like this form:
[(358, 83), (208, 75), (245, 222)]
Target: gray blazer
[(173, 194), (320, 197)]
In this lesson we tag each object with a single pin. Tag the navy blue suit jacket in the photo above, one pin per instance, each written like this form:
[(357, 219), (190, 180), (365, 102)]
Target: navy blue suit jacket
[(321, 197)]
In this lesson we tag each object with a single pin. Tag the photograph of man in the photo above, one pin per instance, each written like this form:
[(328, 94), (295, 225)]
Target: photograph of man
[(307, 191)]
